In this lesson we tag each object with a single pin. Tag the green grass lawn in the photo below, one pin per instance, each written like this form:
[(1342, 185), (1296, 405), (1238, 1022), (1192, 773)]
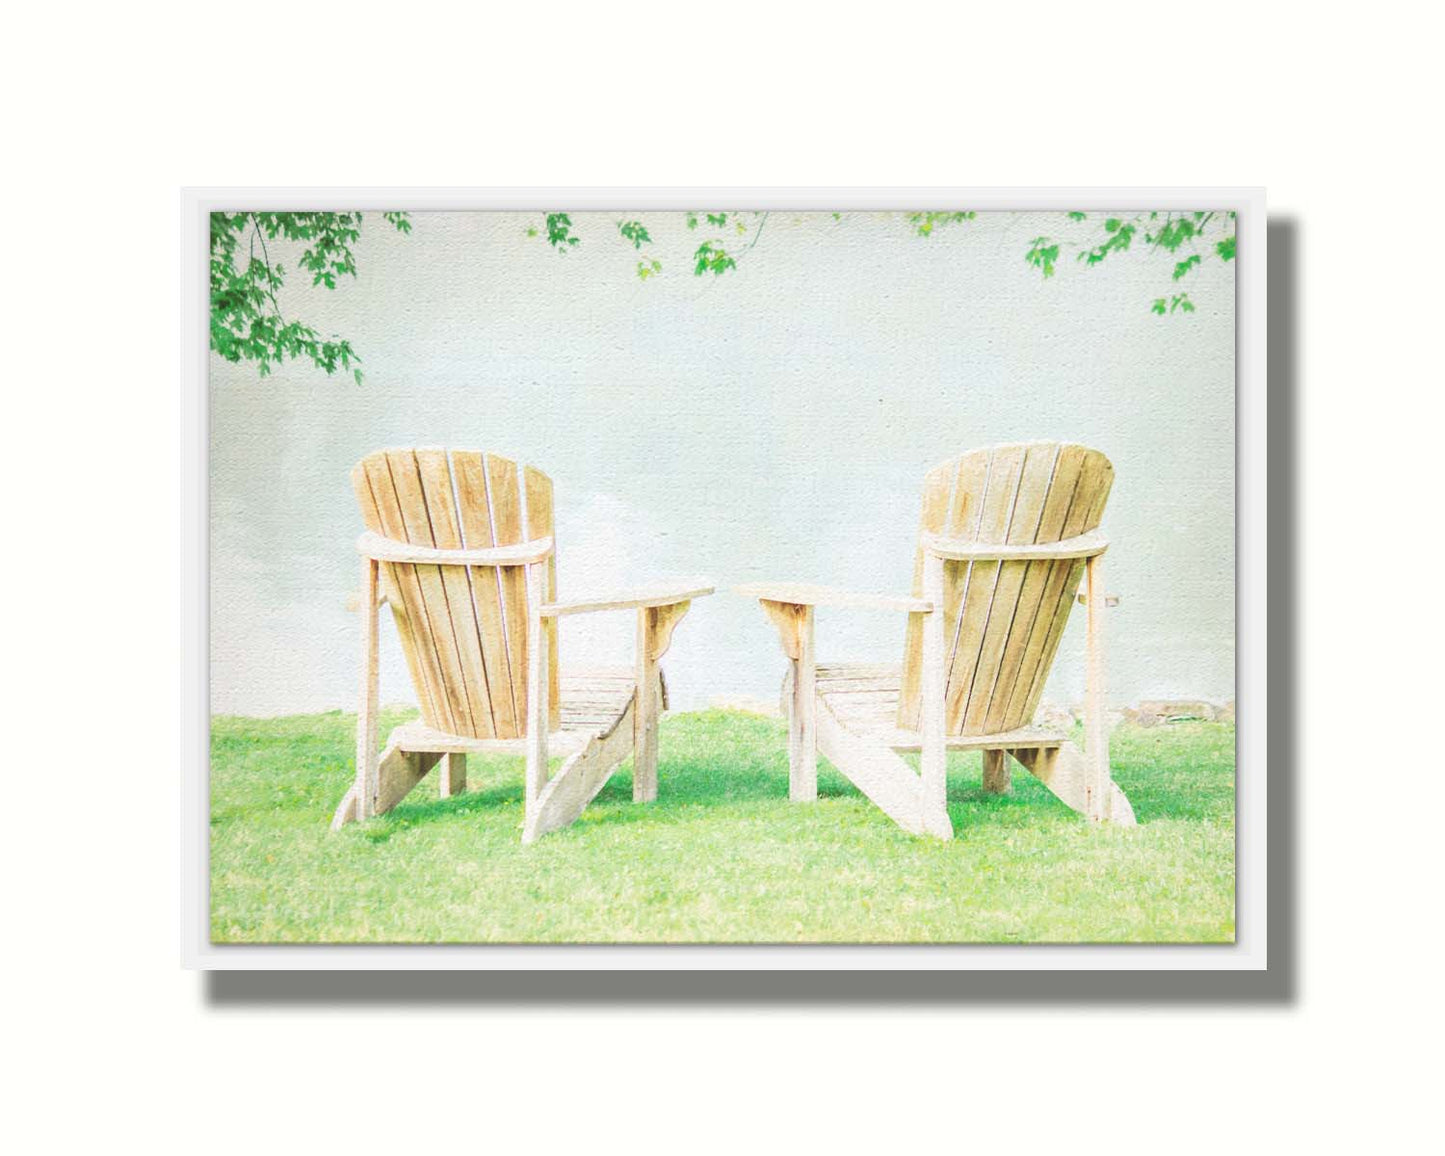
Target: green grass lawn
[(721, 856)]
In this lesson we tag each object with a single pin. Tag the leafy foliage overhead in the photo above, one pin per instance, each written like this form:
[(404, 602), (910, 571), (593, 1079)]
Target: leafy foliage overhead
[(1191, 237), (246, 320), (247, 323)]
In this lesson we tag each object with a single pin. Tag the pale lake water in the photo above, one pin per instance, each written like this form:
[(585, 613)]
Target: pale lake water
[(772, 423)]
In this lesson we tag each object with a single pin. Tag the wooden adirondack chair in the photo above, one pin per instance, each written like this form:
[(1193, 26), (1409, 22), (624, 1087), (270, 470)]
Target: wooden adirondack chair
[(1006, 534), (460, 546)]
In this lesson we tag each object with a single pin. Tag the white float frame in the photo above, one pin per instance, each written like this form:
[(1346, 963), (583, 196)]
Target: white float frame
[(1249, 952)]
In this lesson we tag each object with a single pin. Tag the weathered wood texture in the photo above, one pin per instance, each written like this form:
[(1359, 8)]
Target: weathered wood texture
[(1098, 793), (996, 777), (655, 625), (933, 758), (538, 704), (657, 595), (1002, 620), (453, 770), (889, 783), (811, 594), (591, 701), (463, 629), (460, 546), (1063, 769), (795, 625), (862, 700), (366, 720), (541, 523), (1005, 534), (595, 702), (383, 549), (577, 782), (398, 771)]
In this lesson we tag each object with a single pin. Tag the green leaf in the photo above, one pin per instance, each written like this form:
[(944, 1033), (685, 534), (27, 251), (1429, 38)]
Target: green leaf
[(1225, 248), (1042, 254), (925, 223), (712, 258), (246, 323), (1185, 265), (1118, 240), (1173, 234), (635, 232), (559, 231)]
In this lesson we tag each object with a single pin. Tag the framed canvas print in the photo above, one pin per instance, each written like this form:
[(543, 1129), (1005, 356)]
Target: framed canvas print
[(716, 578)]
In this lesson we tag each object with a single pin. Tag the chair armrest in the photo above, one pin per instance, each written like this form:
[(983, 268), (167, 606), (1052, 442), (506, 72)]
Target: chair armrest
[(961, 550), (641, 597), (372, 545), (807, 594)]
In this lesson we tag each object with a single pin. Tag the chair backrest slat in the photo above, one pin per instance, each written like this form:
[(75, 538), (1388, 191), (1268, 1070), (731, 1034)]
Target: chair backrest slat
[(976, 581), (375, 494), (504, 494), (1030, 580), (463, 629), (1091, 493), (1003, 620), (406, 478), (446, 531), (470, 475)]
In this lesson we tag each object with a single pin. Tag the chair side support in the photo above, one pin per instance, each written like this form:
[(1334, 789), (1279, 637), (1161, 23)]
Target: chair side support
[(644, 713), (933, 760), (655, 625), (795, 626), (659, 611), (1098, 785), (538, 655), (790, 606), (366, 721)]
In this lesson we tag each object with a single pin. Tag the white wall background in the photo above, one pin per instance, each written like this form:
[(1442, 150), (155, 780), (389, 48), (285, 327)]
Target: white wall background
[(111, 1039), (772, 423)]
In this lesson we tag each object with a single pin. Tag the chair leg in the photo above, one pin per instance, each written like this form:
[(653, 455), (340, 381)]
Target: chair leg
[(644, 706), (366, 721), (803, 717), (397, 772), (1098, 784), (933, 759), (794, 621), (538, 681), (453, 780), (996, 777), (655, 625)]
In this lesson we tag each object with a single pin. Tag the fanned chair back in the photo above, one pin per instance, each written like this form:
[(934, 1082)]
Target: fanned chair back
[(463, 629), (1003, 621)]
